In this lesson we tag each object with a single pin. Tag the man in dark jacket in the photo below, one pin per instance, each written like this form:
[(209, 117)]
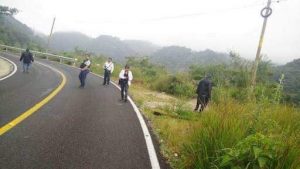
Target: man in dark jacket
[(204, 93), (27, 59)]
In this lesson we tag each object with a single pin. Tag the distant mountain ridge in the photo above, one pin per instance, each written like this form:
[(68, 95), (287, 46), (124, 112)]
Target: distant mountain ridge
[(105, 45), (15, 33), (172, 57), (181, 58)]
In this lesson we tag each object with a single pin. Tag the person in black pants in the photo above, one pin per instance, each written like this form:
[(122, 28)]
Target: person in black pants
[(108, 69), (27, 59), (204, 93), (125, 78), (84, 70)]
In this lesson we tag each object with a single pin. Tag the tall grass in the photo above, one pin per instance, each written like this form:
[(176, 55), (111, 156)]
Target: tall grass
[(233, 134)]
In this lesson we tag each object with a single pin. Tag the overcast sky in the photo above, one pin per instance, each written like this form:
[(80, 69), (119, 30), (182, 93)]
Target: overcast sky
[(220, 25)]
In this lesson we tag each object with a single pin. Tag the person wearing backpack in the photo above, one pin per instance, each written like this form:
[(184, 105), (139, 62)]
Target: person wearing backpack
[(108, 69), (27, 59), (84, 70), (125, 78), (204, 93)]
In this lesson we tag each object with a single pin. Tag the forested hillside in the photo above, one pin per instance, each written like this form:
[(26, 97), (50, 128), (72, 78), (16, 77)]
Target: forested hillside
[(291, 87), (15, 33), (178, 58)]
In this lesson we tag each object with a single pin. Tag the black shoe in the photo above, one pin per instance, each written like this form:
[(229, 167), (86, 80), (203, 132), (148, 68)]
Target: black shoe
[(125, 100)]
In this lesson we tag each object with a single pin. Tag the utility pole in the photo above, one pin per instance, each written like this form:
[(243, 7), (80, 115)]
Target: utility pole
[(50, 36), (265, 13)]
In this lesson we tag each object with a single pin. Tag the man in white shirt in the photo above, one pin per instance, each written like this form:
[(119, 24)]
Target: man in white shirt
[(84, 70), (108, 69), (125, 78)]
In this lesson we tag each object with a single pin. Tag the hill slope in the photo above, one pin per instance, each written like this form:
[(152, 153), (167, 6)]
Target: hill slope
[(105, 45), (291, 71), (15, 33), (181, 58)]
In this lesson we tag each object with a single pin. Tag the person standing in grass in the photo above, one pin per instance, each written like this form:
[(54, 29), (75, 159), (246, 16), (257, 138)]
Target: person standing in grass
[(204, 93), (84, 70), (108, 69), (125, 78), (27, 59)]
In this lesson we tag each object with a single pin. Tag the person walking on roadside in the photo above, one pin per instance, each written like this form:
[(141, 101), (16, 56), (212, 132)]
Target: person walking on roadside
[(125, 78), (204, 93), (108, 69), (27, 59), (84, 70)]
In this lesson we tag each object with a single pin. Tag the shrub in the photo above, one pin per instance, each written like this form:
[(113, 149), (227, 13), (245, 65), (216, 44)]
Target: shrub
[(255, 151), (178, 85)]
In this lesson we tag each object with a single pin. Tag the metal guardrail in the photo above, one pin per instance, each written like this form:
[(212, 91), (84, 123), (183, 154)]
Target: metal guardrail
[(37, 53)]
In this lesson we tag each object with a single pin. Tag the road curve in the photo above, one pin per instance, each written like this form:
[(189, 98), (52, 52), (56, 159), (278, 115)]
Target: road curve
[(80, 128)]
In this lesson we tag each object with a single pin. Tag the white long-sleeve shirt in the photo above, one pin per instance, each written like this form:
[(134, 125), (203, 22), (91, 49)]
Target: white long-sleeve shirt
[(109, 66), (87, 64), (130, 77)]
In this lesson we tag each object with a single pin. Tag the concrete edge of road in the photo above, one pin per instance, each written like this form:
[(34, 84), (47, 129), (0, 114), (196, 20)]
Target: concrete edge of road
[(38, 105), (15, 68)]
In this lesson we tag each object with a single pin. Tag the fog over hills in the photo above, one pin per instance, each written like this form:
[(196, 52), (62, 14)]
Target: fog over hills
[(173, 57)]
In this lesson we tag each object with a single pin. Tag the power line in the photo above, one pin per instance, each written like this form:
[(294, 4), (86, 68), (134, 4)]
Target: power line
[(203, 13)]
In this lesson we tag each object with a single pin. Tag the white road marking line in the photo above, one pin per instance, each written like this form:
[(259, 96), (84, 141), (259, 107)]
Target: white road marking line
[(13, 72), (147, 136)]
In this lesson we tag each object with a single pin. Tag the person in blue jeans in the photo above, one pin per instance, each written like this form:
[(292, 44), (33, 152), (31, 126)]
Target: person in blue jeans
[(84, 70), (26, 59)]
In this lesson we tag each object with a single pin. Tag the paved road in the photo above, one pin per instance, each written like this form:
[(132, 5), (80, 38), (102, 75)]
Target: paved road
[(80, 128)]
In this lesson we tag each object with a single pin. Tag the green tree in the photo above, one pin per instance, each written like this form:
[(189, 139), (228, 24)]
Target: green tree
[(5, 10)]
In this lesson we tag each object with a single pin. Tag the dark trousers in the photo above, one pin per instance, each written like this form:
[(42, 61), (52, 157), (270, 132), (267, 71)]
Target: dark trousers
[(203, 101), (82, 77), (124, 89), (106, 77)]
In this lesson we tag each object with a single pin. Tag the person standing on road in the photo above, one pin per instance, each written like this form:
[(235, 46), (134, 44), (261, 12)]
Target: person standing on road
[(204, 93), (27, 59), (108, 69), (125, 78), (84, 70)]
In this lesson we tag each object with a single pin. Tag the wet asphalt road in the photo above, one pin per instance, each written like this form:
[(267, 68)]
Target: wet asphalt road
[(80, 128)]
